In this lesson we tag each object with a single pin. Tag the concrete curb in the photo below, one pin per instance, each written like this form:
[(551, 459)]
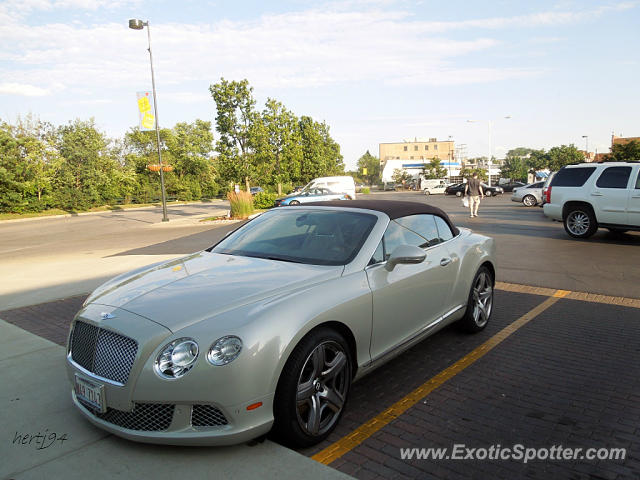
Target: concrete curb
[(68, 215)]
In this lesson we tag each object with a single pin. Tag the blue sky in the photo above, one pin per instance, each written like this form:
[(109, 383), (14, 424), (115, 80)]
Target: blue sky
[(375, 71)]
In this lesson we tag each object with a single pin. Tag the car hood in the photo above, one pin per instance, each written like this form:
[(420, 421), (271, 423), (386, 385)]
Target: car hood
[(181, 292)]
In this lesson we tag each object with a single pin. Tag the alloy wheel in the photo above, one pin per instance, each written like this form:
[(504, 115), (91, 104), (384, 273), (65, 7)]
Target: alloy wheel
[(482, 299), (578, 223), (322, 388)]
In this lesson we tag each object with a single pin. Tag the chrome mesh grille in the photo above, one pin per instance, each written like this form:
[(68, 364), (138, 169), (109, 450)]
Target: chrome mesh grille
[(149, 417), (103, 352), (207, 416)]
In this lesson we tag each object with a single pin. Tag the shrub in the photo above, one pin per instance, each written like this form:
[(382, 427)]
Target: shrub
[(365, 191), (264, 200), (241, 204)]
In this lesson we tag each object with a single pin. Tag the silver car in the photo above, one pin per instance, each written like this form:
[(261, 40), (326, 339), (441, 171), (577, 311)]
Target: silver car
[(529, 195), (267, 329)]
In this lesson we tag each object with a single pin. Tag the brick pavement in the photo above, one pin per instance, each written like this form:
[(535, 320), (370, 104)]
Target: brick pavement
[(571, 376)]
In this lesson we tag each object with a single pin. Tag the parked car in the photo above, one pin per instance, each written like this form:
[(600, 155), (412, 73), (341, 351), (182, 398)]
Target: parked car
[(529, 195), (433, 186), (588, 196), (339, 184), (491, 191), (547, 182), (508, 187), (456, 189), (268, 328), (306, 195), (256, 190), (389, 186)]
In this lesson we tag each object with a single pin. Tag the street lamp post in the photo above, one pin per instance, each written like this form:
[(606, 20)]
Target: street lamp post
[(136, 24), (490, 135), (586, 147)]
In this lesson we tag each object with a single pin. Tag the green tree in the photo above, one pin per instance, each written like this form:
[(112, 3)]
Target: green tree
[(372, 164), (400, 176), (279, 143), (234, 122), (320, 153), (563, 155), (624, 152), (434, 169), (468, 173), (514, 168)]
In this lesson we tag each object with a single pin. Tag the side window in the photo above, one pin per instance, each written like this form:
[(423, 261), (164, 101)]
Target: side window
[(614, 177), (423, 225), (444, 231), (397, 235), (638, 181), (572, 177)]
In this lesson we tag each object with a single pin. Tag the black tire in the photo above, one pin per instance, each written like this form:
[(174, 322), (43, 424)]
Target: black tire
[(474, 319), (580, 222), (488, 193), (293, 417), (427, 192), (458, 194), (294, 202), (529, 201)]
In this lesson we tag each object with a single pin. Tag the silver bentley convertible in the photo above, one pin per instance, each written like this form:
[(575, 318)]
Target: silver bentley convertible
[(267, 329)]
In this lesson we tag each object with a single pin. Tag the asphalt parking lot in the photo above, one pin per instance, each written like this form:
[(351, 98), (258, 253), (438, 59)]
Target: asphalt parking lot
[(559, 363)]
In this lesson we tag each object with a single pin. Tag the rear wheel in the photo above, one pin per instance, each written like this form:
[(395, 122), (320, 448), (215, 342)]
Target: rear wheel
[(427, 192), (294, 202), (488, 193), (580, 222), (529, 201), (480, 302), (458, 194), (313, 389)]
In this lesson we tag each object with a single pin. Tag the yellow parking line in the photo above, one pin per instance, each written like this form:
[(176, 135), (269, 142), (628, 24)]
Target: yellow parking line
[(582, 296), (360, 434)]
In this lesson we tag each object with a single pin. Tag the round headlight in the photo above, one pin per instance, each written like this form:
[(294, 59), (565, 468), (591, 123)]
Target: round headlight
[(176, 358), (224, 350)]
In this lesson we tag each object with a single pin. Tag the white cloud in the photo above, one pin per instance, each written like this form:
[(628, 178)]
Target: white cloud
[(21, 89), (335, 44)]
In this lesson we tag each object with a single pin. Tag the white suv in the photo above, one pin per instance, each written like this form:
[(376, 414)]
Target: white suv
[(591, 195)]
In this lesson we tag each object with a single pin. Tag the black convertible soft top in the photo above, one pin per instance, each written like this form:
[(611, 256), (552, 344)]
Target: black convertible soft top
[(393, 208)]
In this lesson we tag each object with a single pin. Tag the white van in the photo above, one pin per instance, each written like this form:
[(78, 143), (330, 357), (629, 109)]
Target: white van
[(432, 186), (342, 184)]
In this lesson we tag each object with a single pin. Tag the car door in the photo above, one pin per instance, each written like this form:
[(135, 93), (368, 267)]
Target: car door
[(633, 205), (610, 194), (411, 297)]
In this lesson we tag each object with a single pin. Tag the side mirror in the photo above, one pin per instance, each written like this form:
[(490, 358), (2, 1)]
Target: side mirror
[(405, 254)]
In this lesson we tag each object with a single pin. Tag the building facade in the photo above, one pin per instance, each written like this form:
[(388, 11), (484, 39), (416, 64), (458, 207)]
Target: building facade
[(412, 156)]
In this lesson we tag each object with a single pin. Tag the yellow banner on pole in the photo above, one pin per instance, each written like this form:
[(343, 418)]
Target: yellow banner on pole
[(147, 120)]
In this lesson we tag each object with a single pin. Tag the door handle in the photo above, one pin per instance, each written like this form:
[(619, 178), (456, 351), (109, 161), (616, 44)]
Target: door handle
[(635, 196), (596, 194), (445, 261)]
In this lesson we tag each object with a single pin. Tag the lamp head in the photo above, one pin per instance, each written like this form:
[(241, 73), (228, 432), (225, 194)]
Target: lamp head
[(136, 24)]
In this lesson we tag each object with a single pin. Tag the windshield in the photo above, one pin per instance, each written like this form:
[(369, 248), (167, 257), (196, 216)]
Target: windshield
[(316, 237)]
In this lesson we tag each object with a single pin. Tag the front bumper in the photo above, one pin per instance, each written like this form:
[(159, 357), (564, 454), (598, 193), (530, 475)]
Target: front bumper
[(201, 408)]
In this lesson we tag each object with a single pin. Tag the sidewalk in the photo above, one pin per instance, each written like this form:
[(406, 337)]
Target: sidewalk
[(44, 437)]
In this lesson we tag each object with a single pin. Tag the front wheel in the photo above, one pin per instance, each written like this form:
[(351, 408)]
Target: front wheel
[(580, 222), (313, 388), (427, 192), (458, 194), (480, 302), (529, 201), (487, 193), (294, 202)]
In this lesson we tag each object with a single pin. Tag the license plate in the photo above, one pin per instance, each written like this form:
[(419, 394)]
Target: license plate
[(91, 393)]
